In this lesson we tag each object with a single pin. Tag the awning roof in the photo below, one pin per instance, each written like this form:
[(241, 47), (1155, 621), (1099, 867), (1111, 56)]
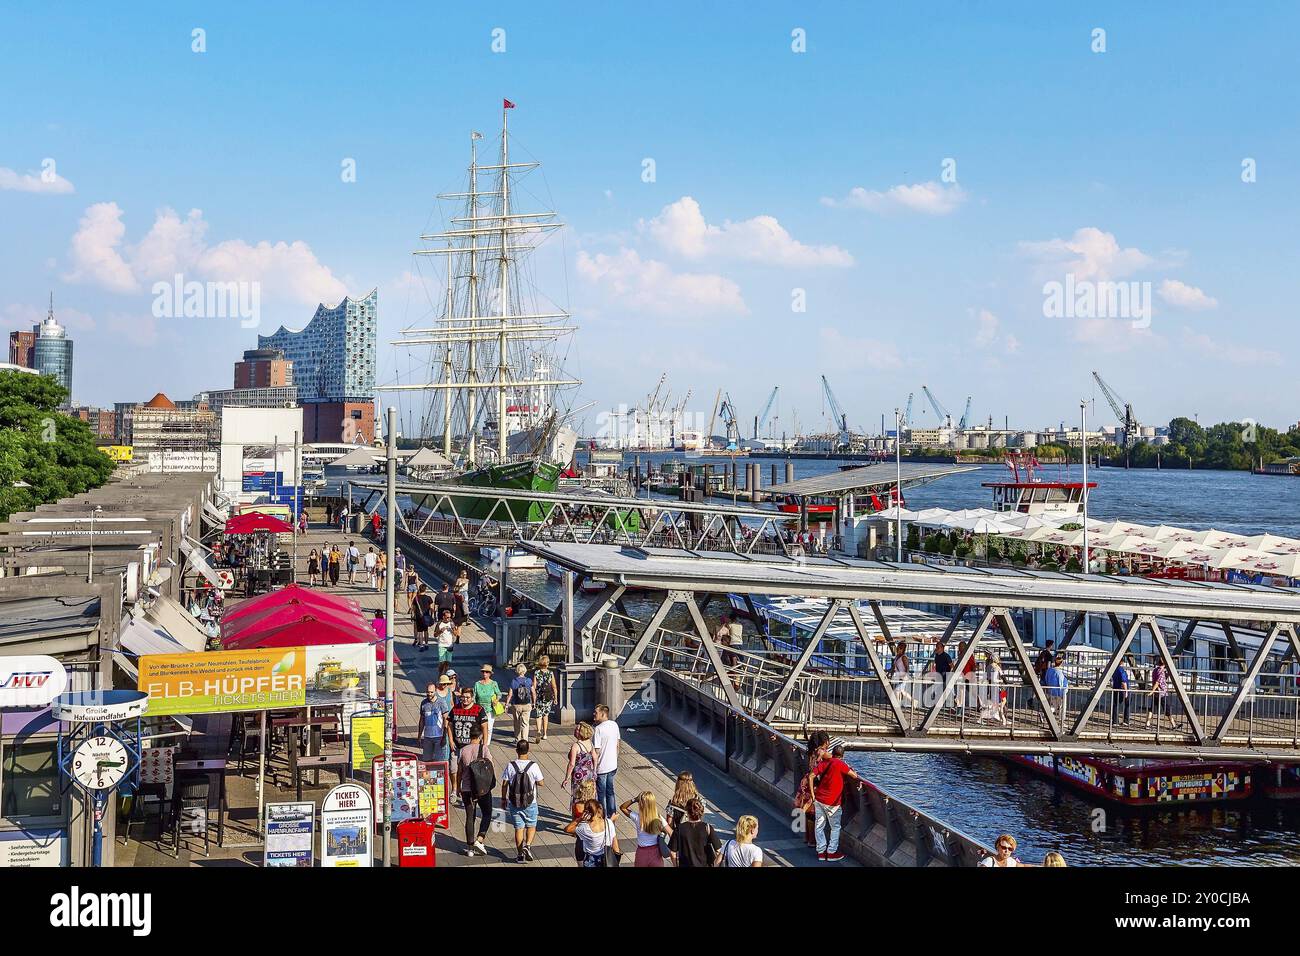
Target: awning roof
[(292, 594), (278, 616), (250, 522), (177, 622), (198, 562), (308, 631), (141, 637), (878, 476), (427, 458)]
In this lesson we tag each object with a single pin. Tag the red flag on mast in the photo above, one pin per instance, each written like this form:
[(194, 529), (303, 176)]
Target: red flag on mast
[(506, 104)]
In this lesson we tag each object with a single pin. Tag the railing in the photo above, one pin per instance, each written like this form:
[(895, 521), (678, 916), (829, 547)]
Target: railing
[(839, 692)]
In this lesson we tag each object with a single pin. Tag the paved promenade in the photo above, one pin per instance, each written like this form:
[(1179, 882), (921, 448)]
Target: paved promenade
[(650, 759)]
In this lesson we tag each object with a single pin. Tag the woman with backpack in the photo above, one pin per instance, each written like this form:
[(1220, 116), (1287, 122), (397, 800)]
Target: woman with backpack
[(477, 779), (546, 692), (742, 851), (582, 758)]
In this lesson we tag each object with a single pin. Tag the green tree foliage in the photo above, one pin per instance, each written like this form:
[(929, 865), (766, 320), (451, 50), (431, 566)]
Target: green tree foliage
[(53, 455)]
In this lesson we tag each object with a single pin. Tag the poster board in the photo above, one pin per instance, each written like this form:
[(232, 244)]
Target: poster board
[(270, 678), (345, 826), (433, 781), (290, 834), (157, 765), (365, 740), (404, 798)]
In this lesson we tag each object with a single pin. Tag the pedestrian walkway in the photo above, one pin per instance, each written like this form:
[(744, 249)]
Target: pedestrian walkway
[(650, 759)]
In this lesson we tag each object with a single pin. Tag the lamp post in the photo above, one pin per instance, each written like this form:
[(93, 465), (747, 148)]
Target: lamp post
[(390, 713), (90, 554), (1083, 443), (898, 491)]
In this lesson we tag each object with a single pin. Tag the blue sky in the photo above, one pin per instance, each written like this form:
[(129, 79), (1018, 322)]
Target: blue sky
[(776, 171)]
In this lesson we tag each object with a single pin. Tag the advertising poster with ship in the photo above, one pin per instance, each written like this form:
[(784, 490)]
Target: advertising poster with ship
[(257, 679)]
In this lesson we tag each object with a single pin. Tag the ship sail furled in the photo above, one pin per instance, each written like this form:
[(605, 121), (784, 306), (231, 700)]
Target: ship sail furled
[(498, 374)]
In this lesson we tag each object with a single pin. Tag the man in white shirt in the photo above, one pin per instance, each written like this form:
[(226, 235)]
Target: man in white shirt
[(372, 561), (354, 558), (519, 800), (605, 742)]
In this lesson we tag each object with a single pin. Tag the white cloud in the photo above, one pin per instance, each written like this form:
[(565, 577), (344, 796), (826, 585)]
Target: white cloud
[(854, 352), (988, 329), (1088, 254), (651, 286), (25, 316), (175, 245), (930, 198), (681, 228), (1110, 335), (33, 182), (1229, 352), (1185, 296)]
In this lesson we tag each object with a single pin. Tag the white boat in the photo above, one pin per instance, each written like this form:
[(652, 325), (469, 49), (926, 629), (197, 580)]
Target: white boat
[(516, 558), (589, 586)]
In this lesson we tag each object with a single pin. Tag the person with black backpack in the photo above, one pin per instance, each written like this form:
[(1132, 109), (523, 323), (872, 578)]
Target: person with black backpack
[(478, 778), (523, 695), (519, 799)]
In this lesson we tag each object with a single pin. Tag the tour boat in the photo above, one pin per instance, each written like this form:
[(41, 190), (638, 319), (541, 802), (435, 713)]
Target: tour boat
[(1026, 493)]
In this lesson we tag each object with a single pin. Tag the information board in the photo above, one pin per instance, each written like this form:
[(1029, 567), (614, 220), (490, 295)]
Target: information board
[(345, 825), (290, 834)]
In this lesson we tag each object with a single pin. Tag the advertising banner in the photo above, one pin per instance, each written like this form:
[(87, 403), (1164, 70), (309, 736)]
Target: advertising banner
[(257, 679), (345, 822), (433, 792), (290, 834)]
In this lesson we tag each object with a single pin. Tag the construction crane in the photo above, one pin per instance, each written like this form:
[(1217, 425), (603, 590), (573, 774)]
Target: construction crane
[(907, 416), (731, 422), (1123, 411), (761, 420), (841, 419), (945, 417), (965, 416)]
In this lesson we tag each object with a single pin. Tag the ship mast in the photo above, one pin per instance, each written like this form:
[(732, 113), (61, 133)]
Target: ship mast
[(502, 232)]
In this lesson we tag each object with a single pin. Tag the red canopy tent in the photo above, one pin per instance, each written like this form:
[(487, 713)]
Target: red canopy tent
[(250, 522), (294, 595), (275, 617), (307, 631)]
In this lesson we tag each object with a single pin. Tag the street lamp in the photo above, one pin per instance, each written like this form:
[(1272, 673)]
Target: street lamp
[(90, 556), (898, 492)]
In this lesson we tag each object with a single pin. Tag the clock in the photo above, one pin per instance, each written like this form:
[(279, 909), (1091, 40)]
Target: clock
[(100, 763)]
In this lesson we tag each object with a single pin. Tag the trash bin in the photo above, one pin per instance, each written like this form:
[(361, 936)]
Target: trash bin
[(415, 843)]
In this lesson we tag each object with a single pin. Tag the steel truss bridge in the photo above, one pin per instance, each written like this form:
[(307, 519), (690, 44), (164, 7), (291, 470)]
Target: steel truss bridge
[(578, 518), (1246, 708)]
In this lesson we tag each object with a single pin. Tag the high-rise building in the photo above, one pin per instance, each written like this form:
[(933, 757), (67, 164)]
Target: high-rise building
[(22, 349), (334, 369), (263, 368), (52, 354)]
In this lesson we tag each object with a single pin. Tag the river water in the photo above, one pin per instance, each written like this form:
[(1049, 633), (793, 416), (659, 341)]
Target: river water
[(984, 797)]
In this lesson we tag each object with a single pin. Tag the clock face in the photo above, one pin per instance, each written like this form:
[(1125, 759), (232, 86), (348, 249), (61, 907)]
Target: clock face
[(99, 763)]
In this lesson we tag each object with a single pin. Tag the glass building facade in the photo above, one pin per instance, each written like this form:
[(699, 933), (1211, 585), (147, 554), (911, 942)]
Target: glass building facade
[(334, 356), (52, 354)]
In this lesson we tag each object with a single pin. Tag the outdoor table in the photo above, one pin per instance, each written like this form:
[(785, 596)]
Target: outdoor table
[(298, 765)]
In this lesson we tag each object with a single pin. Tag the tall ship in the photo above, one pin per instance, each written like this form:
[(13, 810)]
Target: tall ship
[(494, 385)]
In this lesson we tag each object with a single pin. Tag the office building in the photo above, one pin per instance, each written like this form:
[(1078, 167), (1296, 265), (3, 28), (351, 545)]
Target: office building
[(333, 361), (52, 351), (263, 368), (22, 349)]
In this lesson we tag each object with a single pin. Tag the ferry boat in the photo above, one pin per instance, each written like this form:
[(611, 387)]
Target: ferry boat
[(1136, 782), (1027, 493), (516, 558)]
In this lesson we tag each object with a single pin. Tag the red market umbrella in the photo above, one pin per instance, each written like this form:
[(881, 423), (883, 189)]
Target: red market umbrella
[(307, 631), (275, 617), (252, 521), (293, 595)]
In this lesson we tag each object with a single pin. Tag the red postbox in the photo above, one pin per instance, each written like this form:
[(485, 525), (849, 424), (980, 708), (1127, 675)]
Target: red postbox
[(415, 840)]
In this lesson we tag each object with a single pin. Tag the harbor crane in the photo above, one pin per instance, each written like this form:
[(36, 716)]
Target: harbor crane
[(730, 422), (1123, 411), (841, 418), (965, 416), (761, 420), (907, 416), (945, 417)]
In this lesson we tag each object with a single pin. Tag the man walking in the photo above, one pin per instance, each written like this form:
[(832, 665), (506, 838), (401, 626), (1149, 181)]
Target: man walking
[(433, 728), (445, 600), (1057, 684), (826, 783), (519, 799), (372, 563), (354, 558), (605, 742)]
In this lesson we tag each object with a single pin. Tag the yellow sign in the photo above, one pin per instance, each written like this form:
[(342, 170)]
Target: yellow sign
[(224, 681), (367, 739)]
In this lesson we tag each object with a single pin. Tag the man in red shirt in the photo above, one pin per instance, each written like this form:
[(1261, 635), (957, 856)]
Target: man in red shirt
[(826, 782)]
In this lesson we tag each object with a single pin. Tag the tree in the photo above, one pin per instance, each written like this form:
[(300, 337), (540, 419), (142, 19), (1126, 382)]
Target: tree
[(44, 454)]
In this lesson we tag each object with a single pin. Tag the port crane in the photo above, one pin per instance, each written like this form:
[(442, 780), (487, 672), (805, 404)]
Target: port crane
[(1123, 411), (761, 420), (844, 438), (907, 415), (945, 416), (965, 416), (725, 407)]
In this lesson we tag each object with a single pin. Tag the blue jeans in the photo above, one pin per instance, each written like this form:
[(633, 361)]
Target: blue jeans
[(605, 792)]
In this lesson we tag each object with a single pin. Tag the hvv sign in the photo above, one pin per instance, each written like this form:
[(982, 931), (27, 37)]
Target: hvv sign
[(31, 681)]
